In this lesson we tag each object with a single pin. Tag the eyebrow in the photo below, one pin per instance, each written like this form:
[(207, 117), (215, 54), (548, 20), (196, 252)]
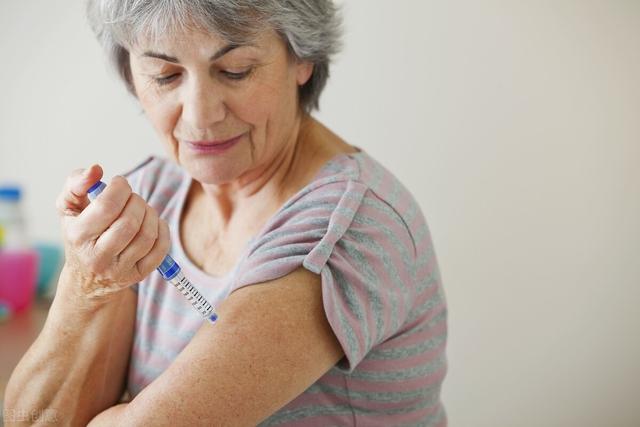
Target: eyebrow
[(220, 53)]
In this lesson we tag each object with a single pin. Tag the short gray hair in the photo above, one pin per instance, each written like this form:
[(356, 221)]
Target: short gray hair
[(311, 29)]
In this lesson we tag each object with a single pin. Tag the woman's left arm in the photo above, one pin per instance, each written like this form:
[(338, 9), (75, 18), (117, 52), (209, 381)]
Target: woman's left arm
[(271, 343)]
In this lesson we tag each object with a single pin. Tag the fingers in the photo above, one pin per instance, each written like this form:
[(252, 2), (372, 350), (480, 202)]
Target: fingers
[(105, 210), (143, 242), (121, 232), (160, 249), (117, 239), (73, 198)]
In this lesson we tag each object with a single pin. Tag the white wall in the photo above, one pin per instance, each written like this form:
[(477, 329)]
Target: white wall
[(516, 125)]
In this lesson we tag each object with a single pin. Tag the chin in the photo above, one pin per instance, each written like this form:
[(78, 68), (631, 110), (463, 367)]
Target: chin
[(214, 171)]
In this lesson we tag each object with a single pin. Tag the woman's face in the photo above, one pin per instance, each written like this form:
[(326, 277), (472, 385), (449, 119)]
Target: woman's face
[(222, 111)]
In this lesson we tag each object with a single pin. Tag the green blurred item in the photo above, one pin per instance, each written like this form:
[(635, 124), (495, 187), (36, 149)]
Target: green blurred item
[(50, 256), (5, 311)]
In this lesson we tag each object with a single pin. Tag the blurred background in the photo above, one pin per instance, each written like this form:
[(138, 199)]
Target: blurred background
[(516, 124)]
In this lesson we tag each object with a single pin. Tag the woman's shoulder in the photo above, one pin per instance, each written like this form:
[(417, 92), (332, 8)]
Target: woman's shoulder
[(354, 200), (357, 227), (361, 167), (361, 175)]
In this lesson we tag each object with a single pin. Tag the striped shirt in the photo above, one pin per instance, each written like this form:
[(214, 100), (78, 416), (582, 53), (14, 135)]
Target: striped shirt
[(362, 232)]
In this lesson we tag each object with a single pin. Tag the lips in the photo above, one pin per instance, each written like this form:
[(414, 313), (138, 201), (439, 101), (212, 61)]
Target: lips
[(210, 143), (214, 146)]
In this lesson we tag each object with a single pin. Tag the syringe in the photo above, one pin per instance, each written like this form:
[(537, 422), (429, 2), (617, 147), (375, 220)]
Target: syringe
[(172, 273)]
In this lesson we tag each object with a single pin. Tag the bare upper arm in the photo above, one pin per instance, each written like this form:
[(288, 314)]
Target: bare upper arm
[(271, 343)]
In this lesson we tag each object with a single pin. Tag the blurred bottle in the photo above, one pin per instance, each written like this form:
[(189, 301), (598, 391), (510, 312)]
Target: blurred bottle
[(18, 262), (13, 233)]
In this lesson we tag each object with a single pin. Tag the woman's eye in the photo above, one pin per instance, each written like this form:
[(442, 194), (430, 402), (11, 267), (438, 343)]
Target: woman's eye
[(235, 76), (165, 80)]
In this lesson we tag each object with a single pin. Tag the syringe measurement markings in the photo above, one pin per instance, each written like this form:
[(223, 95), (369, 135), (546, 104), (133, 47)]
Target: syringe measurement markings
[(171, 272), (192, 294)]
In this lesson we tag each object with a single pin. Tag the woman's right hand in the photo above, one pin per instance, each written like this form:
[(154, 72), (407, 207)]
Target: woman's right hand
[(112, 243)]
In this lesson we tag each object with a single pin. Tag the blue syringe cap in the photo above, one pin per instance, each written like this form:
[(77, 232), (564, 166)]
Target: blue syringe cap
[(169, 268), (95, 190)]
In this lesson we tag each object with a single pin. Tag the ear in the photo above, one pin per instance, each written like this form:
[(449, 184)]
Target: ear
[(304, 70)]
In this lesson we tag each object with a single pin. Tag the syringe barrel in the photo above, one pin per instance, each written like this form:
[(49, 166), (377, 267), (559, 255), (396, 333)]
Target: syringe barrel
[(192, 295)]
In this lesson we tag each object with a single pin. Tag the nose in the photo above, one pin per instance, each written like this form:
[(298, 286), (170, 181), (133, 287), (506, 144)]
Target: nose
[(202, 105)]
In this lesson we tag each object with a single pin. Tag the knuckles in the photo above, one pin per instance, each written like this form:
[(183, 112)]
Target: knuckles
[(128, 226), (108, 207), (148, 236), (138, 202), (121, 183), (150, 233)]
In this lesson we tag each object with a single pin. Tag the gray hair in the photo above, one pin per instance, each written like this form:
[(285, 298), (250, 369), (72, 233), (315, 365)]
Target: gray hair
[(311, 29)]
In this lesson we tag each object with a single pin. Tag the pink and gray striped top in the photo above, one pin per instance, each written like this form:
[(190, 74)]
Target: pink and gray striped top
[(358, 228)]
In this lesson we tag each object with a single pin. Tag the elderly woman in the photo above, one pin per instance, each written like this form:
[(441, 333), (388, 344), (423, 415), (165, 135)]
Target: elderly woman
[(321, 265)]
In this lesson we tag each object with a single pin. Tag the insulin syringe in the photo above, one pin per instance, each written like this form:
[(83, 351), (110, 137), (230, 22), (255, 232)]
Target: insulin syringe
[(172, 273)]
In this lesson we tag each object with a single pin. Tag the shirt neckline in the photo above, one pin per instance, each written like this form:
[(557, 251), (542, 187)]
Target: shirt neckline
[(199, 275)]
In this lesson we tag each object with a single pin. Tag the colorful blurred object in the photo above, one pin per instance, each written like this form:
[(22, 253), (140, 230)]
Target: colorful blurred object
[(5, 311), (26, 270), (50, 256), (18, 275), (12, 220)]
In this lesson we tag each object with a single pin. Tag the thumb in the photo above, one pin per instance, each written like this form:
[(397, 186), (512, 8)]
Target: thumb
[(73, 198), (82, 179)]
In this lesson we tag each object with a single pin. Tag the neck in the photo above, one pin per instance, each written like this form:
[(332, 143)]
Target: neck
[(265, 186)]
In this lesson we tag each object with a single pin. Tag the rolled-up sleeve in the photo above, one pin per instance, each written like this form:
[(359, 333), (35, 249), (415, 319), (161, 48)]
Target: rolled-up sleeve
[(363, 252)]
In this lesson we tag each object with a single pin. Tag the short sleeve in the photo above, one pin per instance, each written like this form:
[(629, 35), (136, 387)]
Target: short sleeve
[(361, 249)]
